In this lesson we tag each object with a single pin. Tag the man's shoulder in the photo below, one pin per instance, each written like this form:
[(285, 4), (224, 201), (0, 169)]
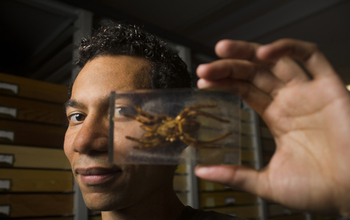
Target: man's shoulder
[(194, 214)]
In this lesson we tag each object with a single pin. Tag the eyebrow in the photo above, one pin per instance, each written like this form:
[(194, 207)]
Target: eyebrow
[(76, 104), (134, 100), (73, 103)]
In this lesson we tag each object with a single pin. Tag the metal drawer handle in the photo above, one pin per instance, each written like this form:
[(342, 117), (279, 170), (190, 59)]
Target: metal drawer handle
[(8, 111), (7, 134), (7, 159), (9, 86), (5, 184), (5, 210), (230, 200)]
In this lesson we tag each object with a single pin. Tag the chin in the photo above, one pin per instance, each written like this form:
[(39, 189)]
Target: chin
[(102, 202)]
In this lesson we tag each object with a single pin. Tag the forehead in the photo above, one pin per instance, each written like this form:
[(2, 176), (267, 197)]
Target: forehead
[(107, 73)]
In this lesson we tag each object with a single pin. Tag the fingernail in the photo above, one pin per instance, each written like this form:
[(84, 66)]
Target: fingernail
[(263, 47), (202, 170), (201, 66), (201, 70)]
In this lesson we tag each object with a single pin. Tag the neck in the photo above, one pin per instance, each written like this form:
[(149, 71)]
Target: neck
[(161, 205)]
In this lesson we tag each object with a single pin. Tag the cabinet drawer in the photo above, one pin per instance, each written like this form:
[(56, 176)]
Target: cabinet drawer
[(291, 217), (247, 128), (32, 157), (246, 142), (268, 144), (21, 133), (225, 198), (209, 186), (53, 218), (247, 155), (27, 205), (267, 155), (181, 169), (279, 210), (265, 132), (34, 89), (325, 217), (25, 180), (246, 115), (182, 197), (249, 164), (180, 183), (29, 110), (239, 211)]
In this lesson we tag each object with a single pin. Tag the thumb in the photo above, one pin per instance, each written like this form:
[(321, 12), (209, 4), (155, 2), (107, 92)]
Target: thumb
[(238, 177)]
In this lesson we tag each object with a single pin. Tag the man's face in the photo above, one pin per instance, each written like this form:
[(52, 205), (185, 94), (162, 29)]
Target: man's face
[(107, 186)]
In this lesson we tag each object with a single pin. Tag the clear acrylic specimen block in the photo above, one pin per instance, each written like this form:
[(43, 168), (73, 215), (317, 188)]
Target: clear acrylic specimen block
[(174, 126)]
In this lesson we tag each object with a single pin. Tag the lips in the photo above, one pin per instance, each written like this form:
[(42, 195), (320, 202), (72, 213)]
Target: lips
[(94, 176)]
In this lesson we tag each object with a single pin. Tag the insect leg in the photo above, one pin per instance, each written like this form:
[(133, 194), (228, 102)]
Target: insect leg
[(207, 115)]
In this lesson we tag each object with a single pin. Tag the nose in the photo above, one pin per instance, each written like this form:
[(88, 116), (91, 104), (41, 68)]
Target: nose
[(92, 137)]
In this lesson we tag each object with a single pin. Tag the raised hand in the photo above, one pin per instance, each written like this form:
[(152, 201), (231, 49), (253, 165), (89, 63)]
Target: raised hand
[(307, 109)]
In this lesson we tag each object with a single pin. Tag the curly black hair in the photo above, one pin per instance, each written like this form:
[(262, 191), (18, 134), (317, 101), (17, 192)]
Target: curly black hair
[(168, 69)]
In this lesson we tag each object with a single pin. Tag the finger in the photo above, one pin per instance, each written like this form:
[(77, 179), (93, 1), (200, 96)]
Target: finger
[(227, 68), (254, 97), (308, 53), (237, 50), (289, 71), (267, 83), (238, 177), (261, 78)]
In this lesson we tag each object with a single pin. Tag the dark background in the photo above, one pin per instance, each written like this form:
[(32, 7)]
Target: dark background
[(36, 36)]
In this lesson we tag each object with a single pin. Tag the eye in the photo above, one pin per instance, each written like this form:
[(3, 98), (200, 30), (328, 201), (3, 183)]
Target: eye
[(122, 110), (75, 118)]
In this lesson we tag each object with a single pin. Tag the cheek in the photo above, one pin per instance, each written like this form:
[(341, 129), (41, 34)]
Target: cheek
[(124, 147), (68, 145)]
